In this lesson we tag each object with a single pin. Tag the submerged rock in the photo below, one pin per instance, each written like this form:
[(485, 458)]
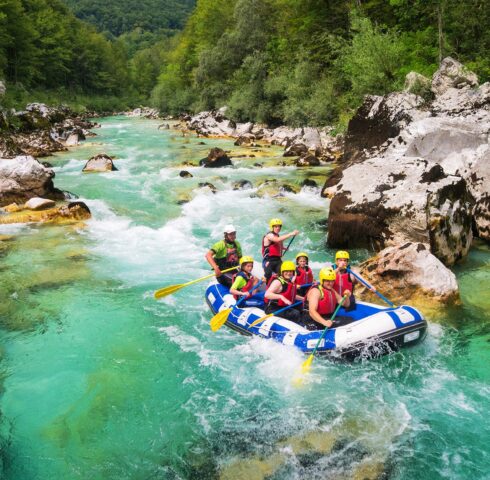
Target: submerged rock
[(410, 271), (72, 212), (99, 163), (185, 174)]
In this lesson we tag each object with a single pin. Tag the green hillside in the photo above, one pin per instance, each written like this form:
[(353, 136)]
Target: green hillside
[(118, 17)]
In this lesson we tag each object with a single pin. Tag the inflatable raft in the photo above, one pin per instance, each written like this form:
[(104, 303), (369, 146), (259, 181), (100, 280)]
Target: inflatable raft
[(375, 330)]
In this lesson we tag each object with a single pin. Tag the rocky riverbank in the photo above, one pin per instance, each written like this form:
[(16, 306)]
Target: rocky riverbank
[(416, 170)]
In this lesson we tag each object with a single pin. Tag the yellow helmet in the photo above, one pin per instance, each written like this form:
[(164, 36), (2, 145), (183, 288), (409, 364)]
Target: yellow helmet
[(274, 221), (326, 274), (342, 254), (246, 259), (302, 254), (288, 266)]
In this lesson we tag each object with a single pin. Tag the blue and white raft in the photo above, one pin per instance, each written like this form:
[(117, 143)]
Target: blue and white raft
[(374, 330)]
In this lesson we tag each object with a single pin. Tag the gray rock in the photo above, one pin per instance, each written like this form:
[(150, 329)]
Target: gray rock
[(99, 163), (452, 74), (408, 271), (24, 177), (308, 160), (37, 203)]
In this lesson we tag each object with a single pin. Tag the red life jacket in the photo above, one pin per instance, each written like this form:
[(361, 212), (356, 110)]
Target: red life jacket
[(248, 286), (288, 290), (303, 276), (342, 283), (272, 250), (327, 302)]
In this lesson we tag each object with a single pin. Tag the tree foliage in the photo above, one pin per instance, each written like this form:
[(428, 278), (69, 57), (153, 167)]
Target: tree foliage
[(311, 61)]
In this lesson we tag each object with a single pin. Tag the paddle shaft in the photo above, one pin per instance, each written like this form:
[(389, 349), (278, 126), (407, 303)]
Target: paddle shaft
[(289, 244), (326, 328), (261, 319), (244, 297), (380, 295)]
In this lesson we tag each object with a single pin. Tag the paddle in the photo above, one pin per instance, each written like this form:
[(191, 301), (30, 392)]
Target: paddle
[(220, 318), (289, 244), (163, 292), (261, 319), (391, 304), (305, 367)]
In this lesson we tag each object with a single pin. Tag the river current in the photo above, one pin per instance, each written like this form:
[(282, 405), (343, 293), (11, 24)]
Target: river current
[(100, 381)]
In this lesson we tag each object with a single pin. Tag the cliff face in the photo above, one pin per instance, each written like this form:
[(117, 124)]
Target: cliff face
[(416, 171)]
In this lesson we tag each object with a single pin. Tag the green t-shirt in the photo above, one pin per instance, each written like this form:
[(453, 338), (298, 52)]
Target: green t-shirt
[(239, 283), (220, 249)]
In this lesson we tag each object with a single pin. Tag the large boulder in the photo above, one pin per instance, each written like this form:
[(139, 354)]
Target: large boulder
[(410, 271), (216, 158), (38, 143), (452, 74), (414, 172), (24, 177), (99, 163)]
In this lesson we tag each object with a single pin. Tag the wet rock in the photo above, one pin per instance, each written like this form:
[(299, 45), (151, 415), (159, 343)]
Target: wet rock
[(37, 203), (24, 177), (185, 174), (99, 163), (216, 158), (72, 212), (408, 271), (452, 74), (242, 185), (208, 185), (307, 182), (308, 160), (246, 139), (258, 165), (145, 112), (295, 150)]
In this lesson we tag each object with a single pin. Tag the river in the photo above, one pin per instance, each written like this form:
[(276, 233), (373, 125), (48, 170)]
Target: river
[(100, 381)]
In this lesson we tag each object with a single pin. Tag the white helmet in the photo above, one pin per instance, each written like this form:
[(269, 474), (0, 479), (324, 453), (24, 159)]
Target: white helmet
[(229, 229)]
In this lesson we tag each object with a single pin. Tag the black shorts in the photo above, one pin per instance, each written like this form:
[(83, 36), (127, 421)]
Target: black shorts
[(272, 265), (226, 279)]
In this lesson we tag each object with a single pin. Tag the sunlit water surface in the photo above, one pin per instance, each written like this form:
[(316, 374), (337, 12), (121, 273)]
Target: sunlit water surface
[(100, 381)]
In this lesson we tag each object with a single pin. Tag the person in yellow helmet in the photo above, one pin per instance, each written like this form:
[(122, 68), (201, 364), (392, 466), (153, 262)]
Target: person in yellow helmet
[(343, 279), (244, 282), (321, 302), (225, 254), (281, 292), (273, 248), (304, 274)]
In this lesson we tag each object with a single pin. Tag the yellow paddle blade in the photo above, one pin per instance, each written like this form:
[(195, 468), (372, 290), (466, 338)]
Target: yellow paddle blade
[(163, 292), (219, 319), (260, 320), (306, 365)]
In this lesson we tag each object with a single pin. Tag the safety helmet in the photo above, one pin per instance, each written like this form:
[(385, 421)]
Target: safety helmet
[(302, 254), (229, 229), (326, 274), (246, 259), (274, 221), (288, 266), (342, 254)]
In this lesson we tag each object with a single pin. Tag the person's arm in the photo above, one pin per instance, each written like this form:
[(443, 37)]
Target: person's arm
[(274, 239), (346, 302), (210, 258), (272, 292), (313, 297)]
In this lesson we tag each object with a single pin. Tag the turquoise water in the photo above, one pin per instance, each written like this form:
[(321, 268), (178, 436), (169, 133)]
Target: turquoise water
[(100, 381)]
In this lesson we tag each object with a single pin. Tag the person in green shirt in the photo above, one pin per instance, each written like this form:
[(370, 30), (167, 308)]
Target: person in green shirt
[(244, 283), (225, 254)]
